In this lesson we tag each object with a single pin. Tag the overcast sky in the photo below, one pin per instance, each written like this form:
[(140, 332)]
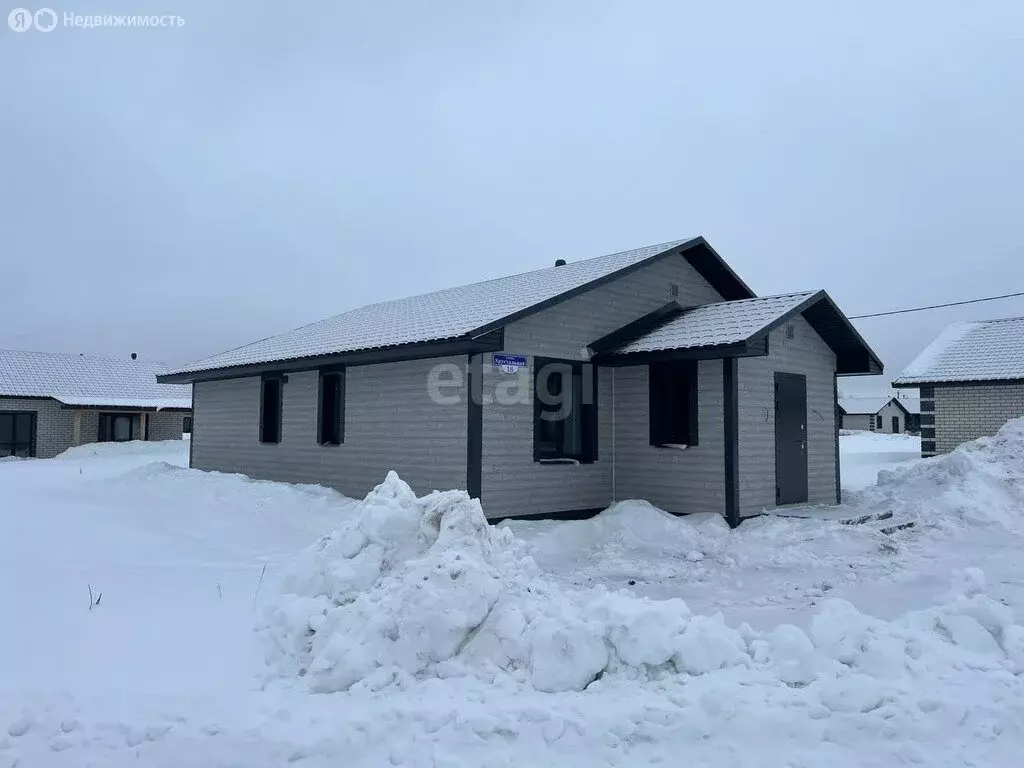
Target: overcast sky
[(180, 191)]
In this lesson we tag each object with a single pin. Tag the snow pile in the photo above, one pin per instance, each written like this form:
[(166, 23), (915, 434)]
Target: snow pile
[(981, 483), (424, 587), (127, 448)]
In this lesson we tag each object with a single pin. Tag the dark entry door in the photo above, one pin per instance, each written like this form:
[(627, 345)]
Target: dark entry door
[(790, 438), (895, 425)]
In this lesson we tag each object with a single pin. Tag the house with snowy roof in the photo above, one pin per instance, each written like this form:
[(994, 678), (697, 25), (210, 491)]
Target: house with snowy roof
[(654, 373), (881, 413), (971, 381), (51, 402)]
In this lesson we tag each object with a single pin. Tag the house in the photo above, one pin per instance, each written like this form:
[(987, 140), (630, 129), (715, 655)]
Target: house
[(51, 402), (654, 373), (971, 381), (899, 415), (861, 412)]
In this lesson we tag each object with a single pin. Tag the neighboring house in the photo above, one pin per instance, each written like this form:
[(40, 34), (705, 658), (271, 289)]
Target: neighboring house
[(971, 380), (861, 412), (654, 373), (51, 402), (899, 415)]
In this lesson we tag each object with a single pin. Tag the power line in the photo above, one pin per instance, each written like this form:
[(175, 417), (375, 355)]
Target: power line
[(938, 306)]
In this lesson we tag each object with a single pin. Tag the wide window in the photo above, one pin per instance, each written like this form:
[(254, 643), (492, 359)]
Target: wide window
[(17, 434), (565, 411), (118, 427), (673, 398), (331, 428), (270, 411)]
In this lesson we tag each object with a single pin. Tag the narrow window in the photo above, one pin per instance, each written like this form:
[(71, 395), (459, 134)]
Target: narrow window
[(565, 411), (270, 411), (331, 429), (878, 422), (186, 425), (672, 388)]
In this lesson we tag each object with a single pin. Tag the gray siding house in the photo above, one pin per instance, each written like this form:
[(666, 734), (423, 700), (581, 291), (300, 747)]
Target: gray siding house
[(971, 381), (654, 373), (51, 402), (861, 413)]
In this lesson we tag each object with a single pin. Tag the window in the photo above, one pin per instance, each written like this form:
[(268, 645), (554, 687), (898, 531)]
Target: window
[(331, 427), (878, 421), (270, 410), (18, 434), (672, 388), (118, 427), (564, 411), (186, 425)]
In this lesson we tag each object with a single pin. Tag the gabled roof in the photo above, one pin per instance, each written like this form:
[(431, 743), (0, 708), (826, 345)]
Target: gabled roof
[(89, 380), (991, 350), (460, 314), (735, 328), (863, 406)]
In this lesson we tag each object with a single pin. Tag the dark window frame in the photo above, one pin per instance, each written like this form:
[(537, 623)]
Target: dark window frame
[(32, 424), (187, 425), (278, 420), (663, 381), (585, 375), (331, 434), (878, 422), (105, 426)]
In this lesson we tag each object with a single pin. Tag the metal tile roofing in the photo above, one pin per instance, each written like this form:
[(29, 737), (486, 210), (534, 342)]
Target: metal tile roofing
[(711, 325), (445, 314), (89, 380), (981, 351)]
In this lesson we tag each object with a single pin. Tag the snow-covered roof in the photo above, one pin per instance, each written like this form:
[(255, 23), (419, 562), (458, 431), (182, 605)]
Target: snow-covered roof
[(89, 380), (712, 325), (990, 350), (859, 406), (452, 313)]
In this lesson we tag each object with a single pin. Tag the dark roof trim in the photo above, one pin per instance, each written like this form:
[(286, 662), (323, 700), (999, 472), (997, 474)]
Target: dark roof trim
[(958, 383), (754, 349), (637, 328), (701, 256), (489, 342), (4, 396), (124, 408), (853, 355)]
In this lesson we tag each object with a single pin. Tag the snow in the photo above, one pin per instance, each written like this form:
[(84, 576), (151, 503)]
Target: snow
[(865, 453), (989, 350), (259, 624)]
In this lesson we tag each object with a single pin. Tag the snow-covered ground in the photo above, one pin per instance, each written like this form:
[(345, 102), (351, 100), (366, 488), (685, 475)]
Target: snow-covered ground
[(235, 629)]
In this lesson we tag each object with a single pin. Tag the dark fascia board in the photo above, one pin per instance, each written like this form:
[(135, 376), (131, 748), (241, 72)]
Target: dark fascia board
[(872, 364), (697, 252), (25, 397), (754, 349), (123, 408), (637, 328), (490, 342), (958, 383), (899, 405)]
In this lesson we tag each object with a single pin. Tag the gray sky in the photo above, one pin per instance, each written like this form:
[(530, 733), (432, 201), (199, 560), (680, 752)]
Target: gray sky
[(180, 191)]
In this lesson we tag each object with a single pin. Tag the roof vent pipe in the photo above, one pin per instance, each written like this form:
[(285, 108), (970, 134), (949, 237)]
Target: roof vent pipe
[(559, 262), (134, 356)]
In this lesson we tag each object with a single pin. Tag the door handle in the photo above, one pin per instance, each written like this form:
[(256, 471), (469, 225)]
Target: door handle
[(803, 445)]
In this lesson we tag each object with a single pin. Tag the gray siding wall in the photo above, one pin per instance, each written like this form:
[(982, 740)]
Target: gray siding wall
[(887, 413), (512, 483), (53, 424), (682, 481), (861, 421), (391, 422), (165, 425), (965, 413), (805, 354)]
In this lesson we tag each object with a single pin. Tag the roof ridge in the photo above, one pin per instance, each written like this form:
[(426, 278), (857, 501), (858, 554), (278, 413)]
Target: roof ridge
[(81, 355)]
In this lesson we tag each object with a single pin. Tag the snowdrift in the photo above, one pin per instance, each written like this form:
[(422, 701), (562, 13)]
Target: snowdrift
[(979, 483), (412, 587)]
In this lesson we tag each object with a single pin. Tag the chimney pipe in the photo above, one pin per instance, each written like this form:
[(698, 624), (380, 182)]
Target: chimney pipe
[(134, 356), (559, 262)]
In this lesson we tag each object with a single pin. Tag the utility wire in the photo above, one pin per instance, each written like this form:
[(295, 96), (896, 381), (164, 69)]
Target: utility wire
[(938, 306)]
